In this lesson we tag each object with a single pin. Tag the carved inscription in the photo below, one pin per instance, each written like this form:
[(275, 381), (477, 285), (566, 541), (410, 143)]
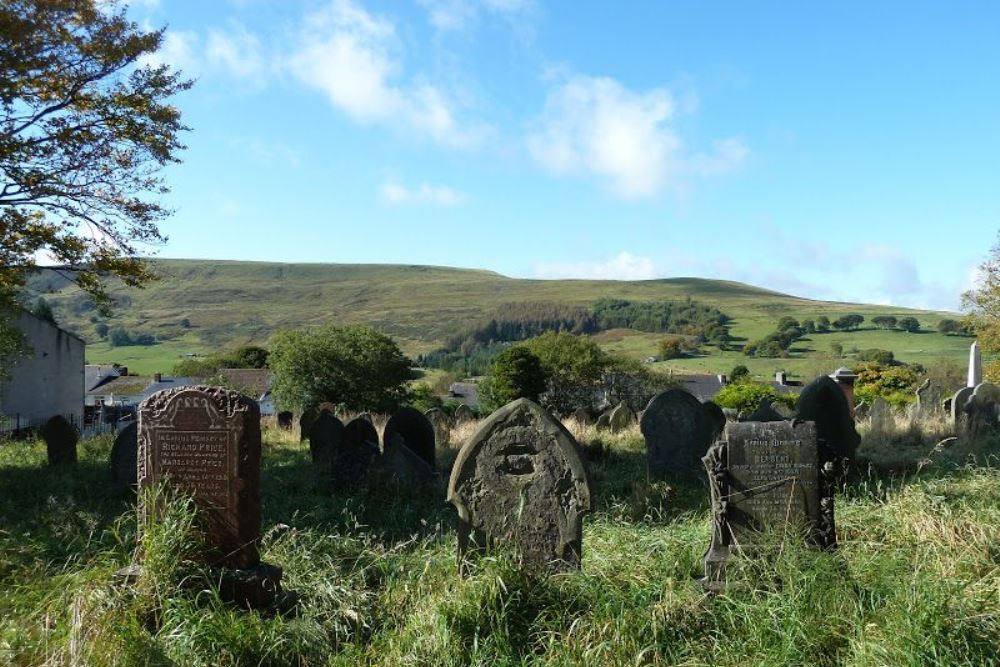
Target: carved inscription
[(197, 461)]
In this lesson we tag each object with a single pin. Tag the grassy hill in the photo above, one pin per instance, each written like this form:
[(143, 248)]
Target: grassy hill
[(231, 303)]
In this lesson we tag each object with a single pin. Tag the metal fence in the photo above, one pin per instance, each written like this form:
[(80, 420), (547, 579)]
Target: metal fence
[(13, 427)]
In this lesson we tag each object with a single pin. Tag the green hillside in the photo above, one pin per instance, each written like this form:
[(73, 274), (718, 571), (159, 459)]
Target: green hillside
[(227, 303)]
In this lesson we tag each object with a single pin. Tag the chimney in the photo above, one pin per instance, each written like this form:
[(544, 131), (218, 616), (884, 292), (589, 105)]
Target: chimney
[(781, 378), (158, 377), (123, 371)]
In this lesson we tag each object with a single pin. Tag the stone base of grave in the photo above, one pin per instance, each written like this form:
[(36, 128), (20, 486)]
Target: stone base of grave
[(255, 588), (715, 561)]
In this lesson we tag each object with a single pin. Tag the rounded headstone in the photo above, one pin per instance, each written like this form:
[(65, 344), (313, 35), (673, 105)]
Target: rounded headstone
[(583, 416), (442, 425), (463, 413), (416, 431), (716, 416), (621, 418), (124, 457), (958, 401), (325, 437), (306, 421), (60, 438), (678, 431), (765, 412), (356, 453), (520, 482), (823, 402)]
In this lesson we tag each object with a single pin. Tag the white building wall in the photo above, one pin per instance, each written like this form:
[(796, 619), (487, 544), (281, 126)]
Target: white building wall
[(49, 381)]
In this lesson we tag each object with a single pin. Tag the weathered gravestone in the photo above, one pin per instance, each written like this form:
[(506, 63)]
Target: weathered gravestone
[(583, 417), (306, 421), (862, 411), (357, 450), (124, 457), (823, 403), (958, 402), (442, 425), (716, 416), (205, 441), (463, 413), (604, 421), (520, 482), (60, 440), (982, 411), (678, 431), (285, 420), (767, 479), (880, 415), (416, 431), (928, 404), (621, 418), (765, 412), (325, 438)]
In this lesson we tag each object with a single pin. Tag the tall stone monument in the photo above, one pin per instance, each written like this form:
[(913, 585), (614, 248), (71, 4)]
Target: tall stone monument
[(205, 441), (975, 366), (768, 481), (520, 482)]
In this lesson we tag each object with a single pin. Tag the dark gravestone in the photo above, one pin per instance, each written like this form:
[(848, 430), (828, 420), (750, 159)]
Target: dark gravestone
[(285, 420), (325, 438), (716, 416), (124, 457), (357, 451), (306, 421), (621, 418), (442, 425), (767, 479), (678, 431), (765, 412), (982, 411), (823, 402), (60, 440), (205, 441), (398, 463), (958, 402), (416, 431), (583, 417), (366, 416), (604, 422), (464, 413), (520, 482)]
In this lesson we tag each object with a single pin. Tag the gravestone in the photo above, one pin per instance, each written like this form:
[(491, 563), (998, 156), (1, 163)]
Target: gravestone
[(765, 412), (442, 425), (583, 417), (355, 454), (621, 418), (982, 411), (928, 404), (520, 482), (463, 413), (823, 402), (862, 411), (325, 438), (285, 420), (678, 431), (306, 421), (716, 416), (975, 376), (205, 441), (416, 431), (124, 458), (401, 464), (958, 402), (767, 479), (60, 440), (367, 417), (880, 415)]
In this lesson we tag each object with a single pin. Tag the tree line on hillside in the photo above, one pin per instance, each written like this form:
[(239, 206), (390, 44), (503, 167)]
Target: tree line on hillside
[(471, 352)]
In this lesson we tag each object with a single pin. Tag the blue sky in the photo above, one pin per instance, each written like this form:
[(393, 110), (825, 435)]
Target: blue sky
[(846, 150)]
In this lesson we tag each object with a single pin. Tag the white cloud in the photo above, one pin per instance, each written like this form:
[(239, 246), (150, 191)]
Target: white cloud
[(596, 125), (236, 52), (351, 56), (425, 193), (178, 49), (453, 15), (623, 266)]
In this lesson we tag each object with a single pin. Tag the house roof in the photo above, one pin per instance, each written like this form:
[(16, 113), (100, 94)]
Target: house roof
[(127, 385), (702, 385), (94, 376), (168, 383), (253, 382)]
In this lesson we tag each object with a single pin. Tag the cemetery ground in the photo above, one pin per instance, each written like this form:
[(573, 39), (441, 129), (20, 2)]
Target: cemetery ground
[(915, 581)]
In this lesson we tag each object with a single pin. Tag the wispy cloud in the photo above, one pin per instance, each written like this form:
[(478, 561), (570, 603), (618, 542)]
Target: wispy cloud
[(623, 266), (423, 194), (596, 125), (455, 15)]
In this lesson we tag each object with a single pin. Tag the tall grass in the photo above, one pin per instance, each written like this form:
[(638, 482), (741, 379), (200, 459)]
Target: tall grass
[(914, 582)]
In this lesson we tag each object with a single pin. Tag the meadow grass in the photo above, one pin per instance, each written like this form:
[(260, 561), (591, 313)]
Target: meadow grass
[(916, 580)]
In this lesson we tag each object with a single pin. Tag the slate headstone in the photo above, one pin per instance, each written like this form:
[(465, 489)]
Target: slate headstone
[(60, 440), (765, 412), (823, 402), (401, 464), (982, 410), (928, 404), (325, 438), (416, 431), (621, 418), (716, 416), (880, 415), (604, 421), (520, 482), (767, 479), (678, 432), (285, 420), (583, 417), (357, 451), (124, 457), (306, 421)]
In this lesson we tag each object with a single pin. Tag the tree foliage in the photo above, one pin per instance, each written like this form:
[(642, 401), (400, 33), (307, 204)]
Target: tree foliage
[(515, 373), (355, 366), (748, 395), (885, 321), (84, 131), (910, 324)]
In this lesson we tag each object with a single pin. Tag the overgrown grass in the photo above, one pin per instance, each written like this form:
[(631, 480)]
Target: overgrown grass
[(916, 580)]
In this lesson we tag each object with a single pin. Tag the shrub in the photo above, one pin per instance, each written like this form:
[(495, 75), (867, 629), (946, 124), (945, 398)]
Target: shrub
[(910, 324), (748, 395), (515, 373), (881, 357)]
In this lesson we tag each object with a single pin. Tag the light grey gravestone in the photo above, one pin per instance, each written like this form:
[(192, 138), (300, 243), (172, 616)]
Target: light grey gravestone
[(416, 431), (880, 415), (442, 425), (60, 440), (355, 454), (768, 480), (621, 418), (678, 432), (928, 404), (520, 482), (463, 413), (205, 441), (958, 402), (982, 410), (716, 416), (862, 411), (325, 436), (975, 376), (823, 402), (124, 457)]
